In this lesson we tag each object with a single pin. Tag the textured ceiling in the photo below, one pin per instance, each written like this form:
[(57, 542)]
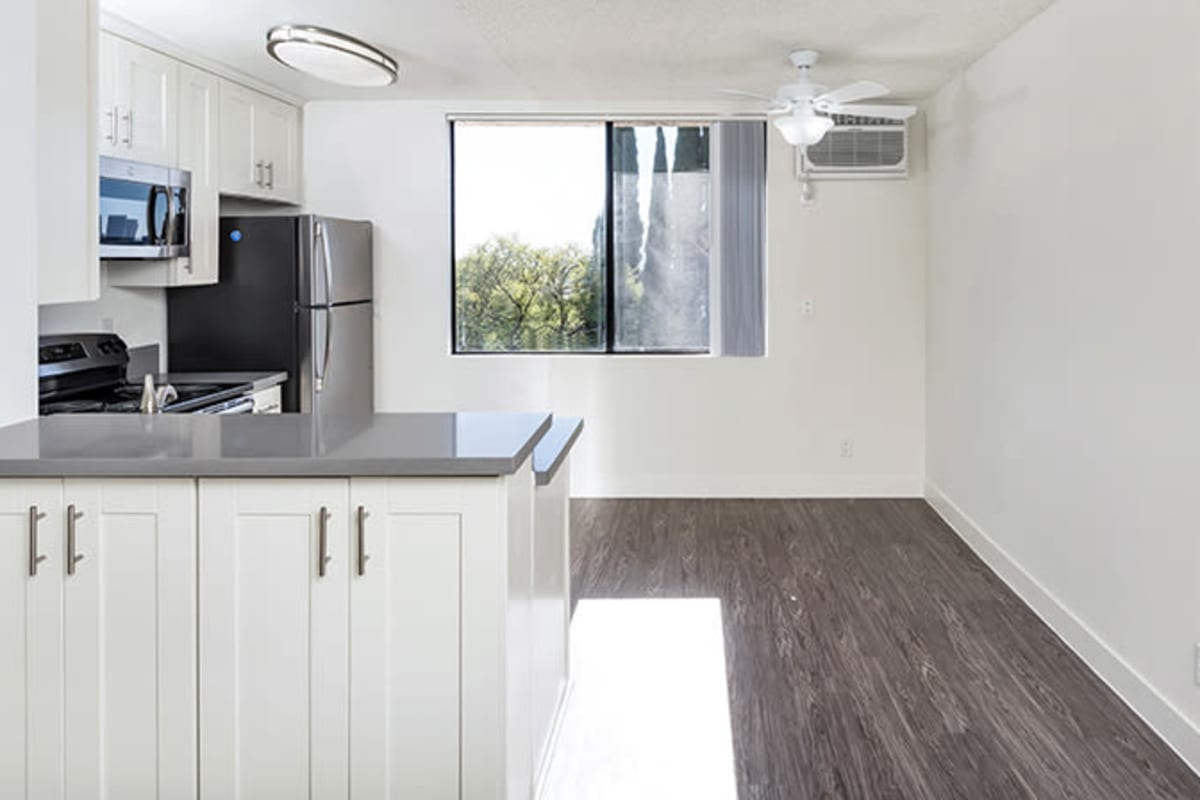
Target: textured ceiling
[(604, 51)]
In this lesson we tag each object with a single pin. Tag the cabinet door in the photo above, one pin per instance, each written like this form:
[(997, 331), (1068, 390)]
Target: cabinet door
[(130, 634), (239, 172), (404, 638), (31, 660), (147, 97), (198, 139), (106, 92), (66, 184), (273, 639), (276, 141)]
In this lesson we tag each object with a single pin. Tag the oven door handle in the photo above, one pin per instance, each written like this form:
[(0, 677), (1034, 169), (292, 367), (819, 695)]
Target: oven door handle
[(244, 407)]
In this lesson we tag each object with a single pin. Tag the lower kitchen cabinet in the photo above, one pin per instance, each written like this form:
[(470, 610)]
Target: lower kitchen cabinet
[(404, 637), (326, 638), (104, 667), (274, 706), (31, 621)]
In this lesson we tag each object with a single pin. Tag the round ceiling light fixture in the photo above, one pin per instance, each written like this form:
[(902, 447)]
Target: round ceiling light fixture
[(330, 56), (802, 128)]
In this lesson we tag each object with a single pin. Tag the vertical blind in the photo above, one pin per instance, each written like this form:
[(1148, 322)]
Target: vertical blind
[(742, 184)]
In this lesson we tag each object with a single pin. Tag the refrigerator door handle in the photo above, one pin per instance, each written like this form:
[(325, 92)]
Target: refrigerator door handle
[(321, 368), (320, 232)]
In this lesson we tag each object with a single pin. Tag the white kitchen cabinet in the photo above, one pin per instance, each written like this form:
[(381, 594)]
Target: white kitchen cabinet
[(31, 661), (260, 145), (274, 561), (98, 686), (551, 609), (198, 109), (66, 184), (404, 637), (199, 139), (130, 634), (139, 93)]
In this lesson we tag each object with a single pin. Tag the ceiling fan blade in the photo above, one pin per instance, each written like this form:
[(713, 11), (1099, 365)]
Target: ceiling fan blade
[(851, 92), (740, 93), (881, 111)]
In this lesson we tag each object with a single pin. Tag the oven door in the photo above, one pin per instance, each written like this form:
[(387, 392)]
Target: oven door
[(238, 405), (144, 210)]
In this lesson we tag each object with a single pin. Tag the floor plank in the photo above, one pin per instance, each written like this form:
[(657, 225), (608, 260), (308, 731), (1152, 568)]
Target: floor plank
[(870, 654)]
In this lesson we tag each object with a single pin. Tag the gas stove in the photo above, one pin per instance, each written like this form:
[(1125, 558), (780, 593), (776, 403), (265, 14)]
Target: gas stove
[(85, 373)]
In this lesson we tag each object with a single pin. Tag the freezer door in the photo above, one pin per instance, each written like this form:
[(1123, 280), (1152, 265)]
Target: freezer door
[(338, 374), (336, 261)]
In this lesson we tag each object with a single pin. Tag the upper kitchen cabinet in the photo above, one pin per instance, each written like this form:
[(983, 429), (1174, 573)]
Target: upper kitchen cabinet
[(139, 96), (260, 145), (65, 190), (199, 100)]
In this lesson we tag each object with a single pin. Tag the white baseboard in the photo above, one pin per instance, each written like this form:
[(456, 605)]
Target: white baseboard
[(1171, 724), (747, 486)]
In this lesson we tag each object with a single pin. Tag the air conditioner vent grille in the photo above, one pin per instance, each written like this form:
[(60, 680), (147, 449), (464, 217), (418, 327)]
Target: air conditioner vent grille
[(858, 149)]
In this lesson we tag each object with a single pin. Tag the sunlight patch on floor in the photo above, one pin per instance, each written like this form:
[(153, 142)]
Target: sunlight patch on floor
[(648, 715)]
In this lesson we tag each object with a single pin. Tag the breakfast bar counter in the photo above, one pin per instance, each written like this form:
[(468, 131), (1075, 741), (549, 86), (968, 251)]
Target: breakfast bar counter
[(239, 589)]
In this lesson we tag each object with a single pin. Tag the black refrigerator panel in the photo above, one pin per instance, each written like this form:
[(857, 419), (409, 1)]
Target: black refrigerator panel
[(248, 320)]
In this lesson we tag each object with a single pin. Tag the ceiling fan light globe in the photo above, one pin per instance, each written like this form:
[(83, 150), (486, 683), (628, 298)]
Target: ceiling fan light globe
[(803, 130)]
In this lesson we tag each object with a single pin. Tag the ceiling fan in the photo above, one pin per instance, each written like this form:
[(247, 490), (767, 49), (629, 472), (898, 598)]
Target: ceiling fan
[(802, 109)]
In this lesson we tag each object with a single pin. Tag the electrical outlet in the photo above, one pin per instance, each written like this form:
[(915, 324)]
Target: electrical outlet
[(807, 307), (847, 448)]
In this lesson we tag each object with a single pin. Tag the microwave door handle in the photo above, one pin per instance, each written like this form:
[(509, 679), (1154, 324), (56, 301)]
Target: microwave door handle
[(151, 205)]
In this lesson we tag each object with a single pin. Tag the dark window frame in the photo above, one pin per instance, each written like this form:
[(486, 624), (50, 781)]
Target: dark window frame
[(610, 297)]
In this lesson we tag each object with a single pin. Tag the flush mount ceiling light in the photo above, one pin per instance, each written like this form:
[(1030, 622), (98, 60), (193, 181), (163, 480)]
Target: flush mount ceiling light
[(330, 56)]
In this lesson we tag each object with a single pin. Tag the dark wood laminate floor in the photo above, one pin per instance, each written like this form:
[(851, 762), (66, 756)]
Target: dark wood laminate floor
[(871, 655)]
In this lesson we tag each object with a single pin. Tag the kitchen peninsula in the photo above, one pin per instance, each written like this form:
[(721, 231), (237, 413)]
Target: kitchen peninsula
[(284, 605)]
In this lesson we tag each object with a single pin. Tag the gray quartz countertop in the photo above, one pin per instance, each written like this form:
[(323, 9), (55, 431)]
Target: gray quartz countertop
[(278, 445)]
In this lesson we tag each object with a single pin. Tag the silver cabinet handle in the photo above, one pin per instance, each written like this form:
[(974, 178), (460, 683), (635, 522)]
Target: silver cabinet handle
[(363, 558), (323, 557), (270, 174), (258, 173), (111, 134), (34, 557), (127, 118), (73, 558)]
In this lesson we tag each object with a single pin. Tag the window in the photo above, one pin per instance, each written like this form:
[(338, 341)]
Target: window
[(581, 237)]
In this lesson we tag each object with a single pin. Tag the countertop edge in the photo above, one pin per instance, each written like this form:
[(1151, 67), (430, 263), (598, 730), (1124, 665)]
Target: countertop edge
[(545, 476)]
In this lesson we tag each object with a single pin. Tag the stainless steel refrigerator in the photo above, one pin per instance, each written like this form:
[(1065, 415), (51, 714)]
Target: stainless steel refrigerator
[(295, 293)]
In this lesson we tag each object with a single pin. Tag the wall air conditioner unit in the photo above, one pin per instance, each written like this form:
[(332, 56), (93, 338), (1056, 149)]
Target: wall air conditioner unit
[(857, 148)]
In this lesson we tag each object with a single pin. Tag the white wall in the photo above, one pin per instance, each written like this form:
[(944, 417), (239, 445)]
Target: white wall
[(1064, 339), (139, 316), (18, 298), (662, 425)]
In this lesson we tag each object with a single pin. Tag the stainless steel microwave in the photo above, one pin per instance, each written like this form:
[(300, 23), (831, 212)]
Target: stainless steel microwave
[(143, 210)]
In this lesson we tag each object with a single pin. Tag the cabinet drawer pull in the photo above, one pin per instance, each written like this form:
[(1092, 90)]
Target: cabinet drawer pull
[(128, 118), (323, 557), (363, 558), (73, 558), (110, 135), (34, 557), (258, 173), (270, 174)]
